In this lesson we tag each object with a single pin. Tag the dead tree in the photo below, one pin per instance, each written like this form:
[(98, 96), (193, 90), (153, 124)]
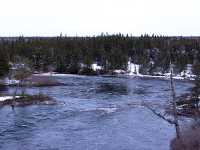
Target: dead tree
[(20, 72), (173, 101), (174, 107)]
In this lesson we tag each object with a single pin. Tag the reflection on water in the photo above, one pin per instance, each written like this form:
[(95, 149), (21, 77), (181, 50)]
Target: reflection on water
[(94, 113), (118, 89), (3, 89)]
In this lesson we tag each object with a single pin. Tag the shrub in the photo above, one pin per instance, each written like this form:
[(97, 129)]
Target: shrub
[(190, 140)]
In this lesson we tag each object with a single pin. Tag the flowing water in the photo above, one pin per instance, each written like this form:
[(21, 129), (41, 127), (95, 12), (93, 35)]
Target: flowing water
[(93, 113)]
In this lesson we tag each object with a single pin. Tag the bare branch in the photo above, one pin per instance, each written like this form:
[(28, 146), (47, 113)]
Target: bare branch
[(159, 114)]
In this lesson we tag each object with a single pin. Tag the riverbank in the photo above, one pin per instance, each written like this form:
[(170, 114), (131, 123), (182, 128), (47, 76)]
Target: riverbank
[(35, 80), (44, 79), (164, 76), (26, 100)]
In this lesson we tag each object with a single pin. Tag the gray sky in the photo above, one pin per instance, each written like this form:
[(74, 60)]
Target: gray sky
[(91, 17)]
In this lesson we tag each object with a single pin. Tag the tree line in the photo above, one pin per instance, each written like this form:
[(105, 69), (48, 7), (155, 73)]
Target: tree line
[(66, 54)]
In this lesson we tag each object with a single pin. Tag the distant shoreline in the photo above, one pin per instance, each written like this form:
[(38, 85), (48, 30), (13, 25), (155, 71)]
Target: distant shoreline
[(11, 82), (116, 75)]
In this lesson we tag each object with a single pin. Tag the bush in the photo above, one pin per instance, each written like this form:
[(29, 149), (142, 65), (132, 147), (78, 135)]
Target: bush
[(87, 71), (190, 140), (73, 69)]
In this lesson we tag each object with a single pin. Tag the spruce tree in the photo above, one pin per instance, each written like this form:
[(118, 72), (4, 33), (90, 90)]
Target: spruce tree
[(196, 88), (4, 67)]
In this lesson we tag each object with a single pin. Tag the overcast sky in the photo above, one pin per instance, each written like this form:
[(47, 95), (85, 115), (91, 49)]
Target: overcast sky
[(91, 17)]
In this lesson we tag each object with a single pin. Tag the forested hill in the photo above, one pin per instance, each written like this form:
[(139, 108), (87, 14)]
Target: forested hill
[(67, 54)]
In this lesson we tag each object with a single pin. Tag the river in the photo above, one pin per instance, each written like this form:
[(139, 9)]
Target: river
[(93, 113)]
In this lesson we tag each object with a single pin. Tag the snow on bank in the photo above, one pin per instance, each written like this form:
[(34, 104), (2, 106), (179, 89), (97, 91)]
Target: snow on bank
[(119, 71), (159, 77), (122, 72), (164, 76), (4, 98), (50, 74), (133, 69), (54, 74), (11, 81), (96, 67), (7, 81)]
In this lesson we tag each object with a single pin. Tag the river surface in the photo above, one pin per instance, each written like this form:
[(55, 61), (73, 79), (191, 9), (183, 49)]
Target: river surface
[(93, 113)]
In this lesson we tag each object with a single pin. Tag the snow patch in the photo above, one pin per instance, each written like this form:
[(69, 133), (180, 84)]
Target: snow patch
[(10, 81), (187, 73), (133, 69), (4, 98), (54, 74), (50, 74), (96, 67), (119, 71)]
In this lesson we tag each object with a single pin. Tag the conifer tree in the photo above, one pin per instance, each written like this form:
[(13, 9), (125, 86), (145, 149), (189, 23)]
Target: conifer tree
[(4, 67)]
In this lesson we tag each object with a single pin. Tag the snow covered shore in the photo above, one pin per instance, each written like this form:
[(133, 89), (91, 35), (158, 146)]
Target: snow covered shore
[(177, 77), (55, 74), (4, 98), (133, 70), (164, 76), (8, 82), (27, 100)]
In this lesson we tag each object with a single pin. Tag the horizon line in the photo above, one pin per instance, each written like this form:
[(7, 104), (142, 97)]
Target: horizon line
[(97, 35)]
